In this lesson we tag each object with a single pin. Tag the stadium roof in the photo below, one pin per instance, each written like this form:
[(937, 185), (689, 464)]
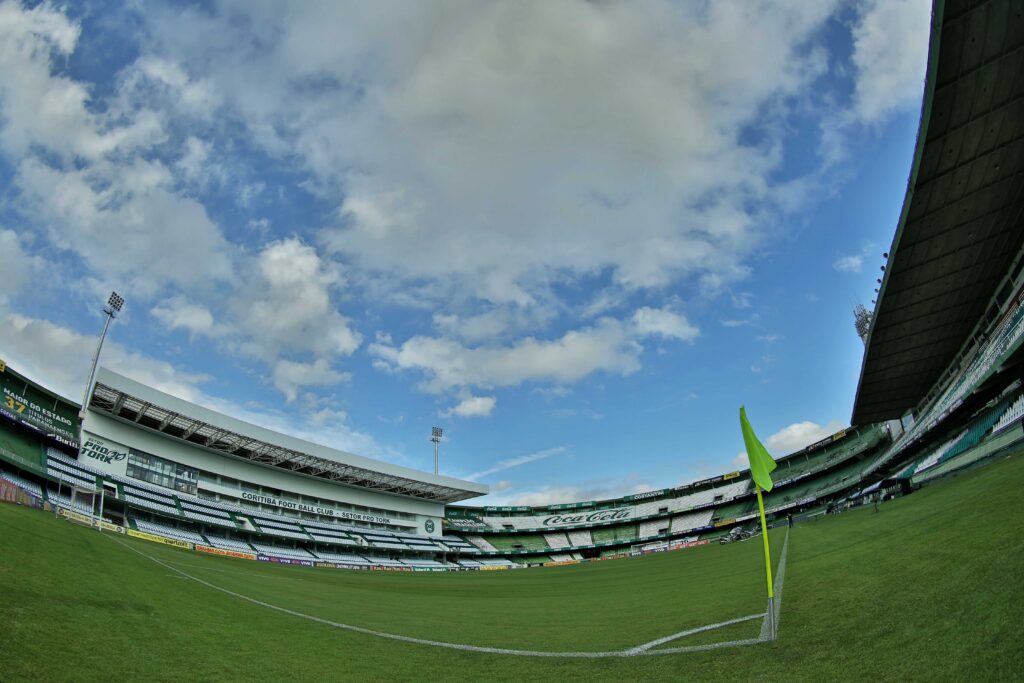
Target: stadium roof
[(127, 400), (961, 226)]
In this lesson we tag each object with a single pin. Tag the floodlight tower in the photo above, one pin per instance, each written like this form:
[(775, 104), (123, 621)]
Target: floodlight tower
[(435, 436), (113, 307)]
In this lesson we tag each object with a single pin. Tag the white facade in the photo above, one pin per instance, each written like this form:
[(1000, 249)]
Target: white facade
[(107, 442)]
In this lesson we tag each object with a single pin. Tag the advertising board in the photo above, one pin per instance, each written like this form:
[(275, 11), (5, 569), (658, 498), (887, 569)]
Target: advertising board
[(24, 401), (159, 539), (224, 552)]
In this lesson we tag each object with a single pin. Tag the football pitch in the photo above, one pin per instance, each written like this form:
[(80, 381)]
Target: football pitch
[(929, 587)]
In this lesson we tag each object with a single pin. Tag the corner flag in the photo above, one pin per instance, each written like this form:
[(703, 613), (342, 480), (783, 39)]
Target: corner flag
[(761, 463), (761, 467)]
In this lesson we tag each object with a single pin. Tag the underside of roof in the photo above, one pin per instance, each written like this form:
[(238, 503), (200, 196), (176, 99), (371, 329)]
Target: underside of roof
[(198, 433), (961, 226)]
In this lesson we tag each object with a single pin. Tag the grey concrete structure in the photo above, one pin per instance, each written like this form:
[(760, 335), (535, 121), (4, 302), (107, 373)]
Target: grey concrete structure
[(951, 268)]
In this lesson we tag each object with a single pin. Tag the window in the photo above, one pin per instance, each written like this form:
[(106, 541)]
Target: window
[(156, 470)]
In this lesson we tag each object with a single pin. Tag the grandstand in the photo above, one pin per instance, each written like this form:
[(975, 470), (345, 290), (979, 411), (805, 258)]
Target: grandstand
[(840, 467)]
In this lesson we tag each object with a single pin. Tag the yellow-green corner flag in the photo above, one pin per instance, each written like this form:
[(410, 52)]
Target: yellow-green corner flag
[(761, 463), (761, 467)]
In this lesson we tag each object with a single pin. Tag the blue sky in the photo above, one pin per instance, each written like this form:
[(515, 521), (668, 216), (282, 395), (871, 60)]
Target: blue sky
[(576, 235)]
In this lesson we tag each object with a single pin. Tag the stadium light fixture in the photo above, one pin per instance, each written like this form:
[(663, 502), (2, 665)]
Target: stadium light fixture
[(113, 307), (114, 304), (435, 436)]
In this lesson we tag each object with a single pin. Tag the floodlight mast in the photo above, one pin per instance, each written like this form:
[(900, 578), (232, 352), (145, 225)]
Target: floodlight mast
[(435, 436), (113, 307)]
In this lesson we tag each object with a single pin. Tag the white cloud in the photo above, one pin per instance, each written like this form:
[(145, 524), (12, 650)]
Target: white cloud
[(153, 79), (849, 264), (489, 324), (59, 358), (603, 302), (281, 313), (550, 495), (286, 305), (290, 376), (52, 112), (177, 313), (126, 224), (853, 263), (196, 166), (742, 300), (792, 438), (664, 323), (17, 267), (497, 162), (447, 363), (890, 54), (472, 406), (79, 169), (608, 346), (471, 171), (517, 461)]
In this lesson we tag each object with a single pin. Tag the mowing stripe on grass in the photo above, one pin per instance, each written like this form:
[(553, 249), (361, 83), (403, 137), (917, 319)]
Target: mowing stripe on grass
[(630, 652)]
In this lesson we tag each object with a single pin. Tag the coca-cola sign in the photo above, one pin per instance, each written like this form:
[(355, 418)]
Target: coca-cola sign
[(595, 517)]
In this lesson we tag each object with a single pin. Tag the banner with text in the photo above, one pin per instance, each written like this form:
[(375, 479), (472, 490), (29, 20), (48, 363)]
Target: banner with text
[(104, 455), (566, 519), (286, 504), (24, 401), (225, 553), (160, 539)]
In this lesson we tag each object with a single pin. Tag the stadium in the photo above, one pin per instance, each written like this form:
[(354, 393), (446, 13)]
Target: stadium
[(149, 537)]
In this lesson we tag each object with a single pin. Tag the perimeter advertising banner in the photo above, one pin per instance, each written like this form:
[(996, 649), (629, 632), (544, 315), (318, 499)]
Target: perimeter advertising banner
[(225, 553), (10, 493), (160, 539), (24, 401), (75, 516), (284, 560)]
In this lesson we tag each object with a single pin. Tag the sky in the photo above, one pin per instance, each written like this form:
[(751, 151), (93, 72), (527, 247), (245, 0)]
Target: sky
[(576, 235)]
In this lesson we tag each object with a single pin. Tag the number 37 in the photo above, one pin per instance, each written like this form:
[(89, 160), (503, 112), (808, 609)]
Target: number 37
[(15, 405)]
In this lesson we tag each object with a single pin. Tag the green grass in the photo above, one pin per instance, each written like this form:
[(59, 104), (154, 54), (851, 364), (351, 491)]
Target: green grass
[(928, 588)]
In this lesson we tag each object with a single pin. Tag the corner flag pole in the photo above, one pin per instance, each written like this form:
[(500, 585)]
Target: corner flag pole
[(761, 467), (767, 563)]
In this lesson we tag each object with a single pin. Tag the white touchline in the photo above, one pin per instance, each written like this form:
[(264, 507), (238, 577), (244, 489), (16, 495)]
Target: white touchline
[(638, 651)]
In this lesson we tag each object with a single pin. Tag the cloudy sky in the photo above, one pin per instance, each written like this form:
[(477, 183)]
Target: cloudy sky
[(577, 235)]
